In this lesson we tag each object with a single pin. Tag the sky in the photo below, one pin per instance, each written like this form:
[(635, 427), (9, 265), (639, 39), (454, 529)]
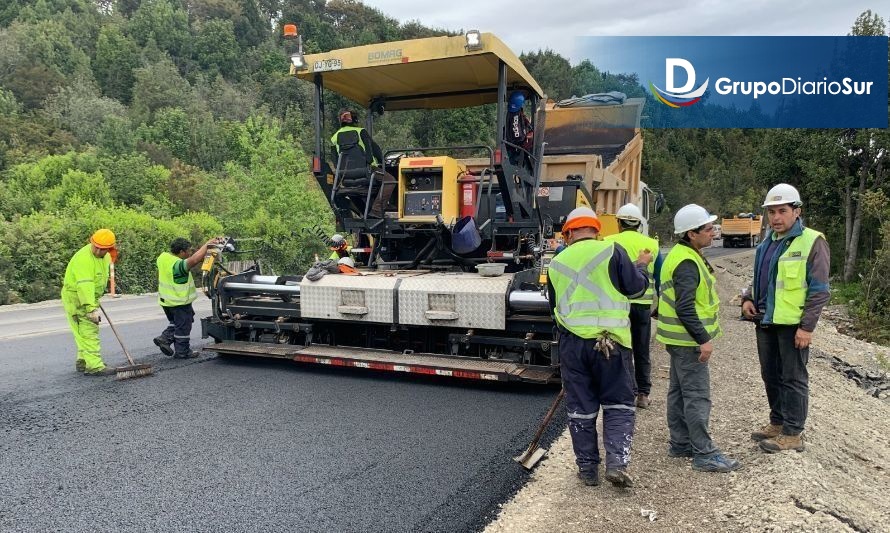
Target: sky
[(528, 26)]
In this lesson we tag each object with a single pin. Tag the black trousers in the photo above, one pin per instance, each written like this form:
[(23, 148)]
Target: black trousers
[(179, 331), (784, 371), (641, 333)]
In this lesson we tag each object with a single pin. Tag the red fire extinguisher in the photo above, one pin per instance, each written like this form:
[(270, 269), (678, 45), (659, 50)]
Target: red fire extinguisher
[(469, 188)]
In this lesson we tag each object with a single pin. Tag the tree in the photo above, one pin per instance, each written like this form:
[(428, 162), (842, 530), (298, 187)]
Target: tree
[(215, 46), (157, 86), (552, 71), (162, 21), (79, 109), (117, 57)]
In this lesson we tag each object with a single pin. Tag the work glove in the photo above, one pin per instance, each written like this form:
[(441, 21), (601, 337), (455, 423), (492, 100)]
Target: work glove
[(94, 317)]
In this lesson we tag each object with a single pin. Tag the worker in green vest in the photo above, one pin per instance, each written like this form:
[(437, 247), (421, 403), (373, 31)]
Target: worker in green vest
[(688, 323), (358, 159), (790, 288), (589, 284), (630, 223), (176, 292), (86, 277), (339, 247)]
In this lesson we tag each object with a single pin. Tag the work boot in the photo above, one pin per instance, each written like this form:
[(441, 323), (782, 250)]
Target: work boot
[(643, 401), (619, 478), (782, 443), (80, 365), (107, 371), (191, 354), (164, 345), (715, 463), (591, 479), (768, 431)]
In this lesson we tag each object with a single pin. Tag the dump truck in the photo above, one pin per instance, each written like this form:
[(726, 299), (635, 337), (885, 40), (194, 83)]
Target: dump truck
[(452, 279), (742, 231)]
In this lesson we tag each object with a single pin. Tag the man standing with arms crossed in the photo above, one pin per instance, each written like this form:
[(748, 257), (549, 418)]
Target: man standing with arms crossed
[(790, 289), (630, 221), (588, 287)]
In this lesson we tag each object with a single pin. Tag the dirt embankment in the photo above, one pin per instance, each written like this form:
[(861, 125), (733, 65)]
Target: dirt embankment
[(840, 483)]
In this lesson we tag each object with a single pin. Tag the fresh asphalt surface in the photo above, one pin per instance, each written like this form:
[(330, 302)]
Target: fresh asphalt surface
[(243, 445)]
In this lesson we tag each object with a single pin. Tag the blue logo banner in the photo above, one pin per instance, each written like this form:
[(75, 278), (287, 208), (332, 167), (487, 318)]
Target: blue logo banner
[(752, 82)]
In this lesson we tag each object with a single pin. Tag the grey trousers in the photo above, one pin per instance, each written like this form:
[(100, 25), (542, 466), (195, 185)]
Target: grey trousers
[(689, 402)]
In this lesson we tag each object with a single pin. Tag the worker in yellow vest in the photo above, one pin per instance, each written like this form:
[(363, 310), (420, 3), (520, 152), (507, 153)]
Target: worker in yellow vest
[(630, 222), (790, 288), (339, 247), (589, 284), (360, 158), (86, 277), (688, 322), (176, 292)]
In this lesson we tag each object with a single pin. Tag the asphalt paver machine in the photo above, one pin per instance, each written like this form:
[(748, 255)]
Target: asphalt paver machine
[(452, 277)]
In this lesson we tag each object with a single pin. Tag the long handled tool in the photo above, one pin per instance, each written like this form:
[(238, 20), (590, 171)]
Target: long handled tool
[(533, 453), (134, 370)]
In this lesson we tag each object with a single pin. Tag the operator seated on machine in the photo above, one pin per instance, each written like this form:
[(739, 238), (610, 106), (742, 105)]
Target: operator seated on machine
[(519, 131), (359, 158)]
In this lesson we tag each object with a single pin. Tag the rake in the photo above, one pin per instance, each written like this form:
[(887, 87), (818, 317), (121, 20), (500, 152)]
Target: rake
[(134, 370), (534, 453)]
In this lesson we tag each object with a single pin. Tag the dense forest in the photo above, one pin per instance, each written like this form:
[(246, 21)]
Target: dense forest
[(160, 118)]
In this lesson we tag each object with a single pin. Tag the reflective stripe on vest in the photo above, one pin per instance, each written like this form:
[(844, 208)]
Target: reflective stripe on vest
[(670, 329), (791, 279), (587, 304), (360, 141), (170, 293), (633, 243)]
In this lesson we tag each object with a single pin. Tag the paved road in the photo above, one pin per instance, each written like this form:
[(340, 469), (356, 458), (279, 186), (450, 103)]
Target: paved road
[(233, 445)]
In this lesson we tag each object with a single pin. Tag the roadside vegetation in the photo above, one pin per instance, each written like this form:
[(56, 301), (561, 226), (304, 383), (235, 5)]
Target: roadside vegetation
[(160, 118)]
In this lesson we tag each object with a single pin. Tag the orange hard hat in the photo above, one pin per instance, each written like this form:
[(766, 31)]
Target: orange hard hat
[(582, 217), (103, 238)]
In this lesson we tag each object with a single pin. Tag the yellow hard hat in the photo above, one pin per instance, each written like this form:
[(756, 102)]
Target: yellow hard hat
[(103, 238)]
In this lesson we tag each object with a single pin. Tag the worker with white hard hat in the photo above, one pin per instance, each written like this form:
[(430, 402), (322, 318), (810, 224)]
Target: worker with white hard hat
[(790, 288), (630, 222), (589, 285), (688, 322)]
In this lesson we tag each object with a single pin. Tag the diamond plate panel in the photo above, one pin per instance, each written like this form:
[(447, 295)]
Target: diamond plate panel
[(326, 297), (478, 302)]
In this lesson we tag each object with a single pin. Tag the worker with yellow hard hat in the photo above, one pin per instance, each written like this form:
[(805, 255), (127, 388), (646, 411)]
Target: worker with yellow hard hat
[(590, 286), (86, 277)]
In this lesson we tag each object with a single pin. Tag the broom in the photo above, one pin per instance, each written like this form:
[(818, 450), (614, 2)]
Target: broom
[(134, 370)]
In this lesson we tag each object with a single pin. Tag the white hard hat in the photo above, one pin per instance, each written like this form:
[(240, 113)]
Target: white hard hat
[(782, 194), (337, 238), (629, 212), (690, 217), (348, 261)]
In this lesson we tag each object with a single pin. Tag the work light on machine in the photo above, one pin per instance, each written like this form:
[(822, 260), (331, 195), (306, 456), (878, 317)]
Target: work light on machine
[(474, 40), (296, 59)]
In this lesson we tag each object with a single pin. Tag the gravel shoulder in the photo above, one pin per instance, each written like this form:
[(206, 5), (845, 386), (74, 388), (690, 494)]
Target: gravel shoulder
[(840, 483)]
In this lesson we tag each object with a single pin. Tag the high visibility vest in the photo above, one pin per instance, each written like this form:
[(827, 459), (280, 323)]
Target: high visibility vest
[(587, 304), (791, 278), (361, 143), (170, 293), (86, 277), (707, 305), (633, 243)]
